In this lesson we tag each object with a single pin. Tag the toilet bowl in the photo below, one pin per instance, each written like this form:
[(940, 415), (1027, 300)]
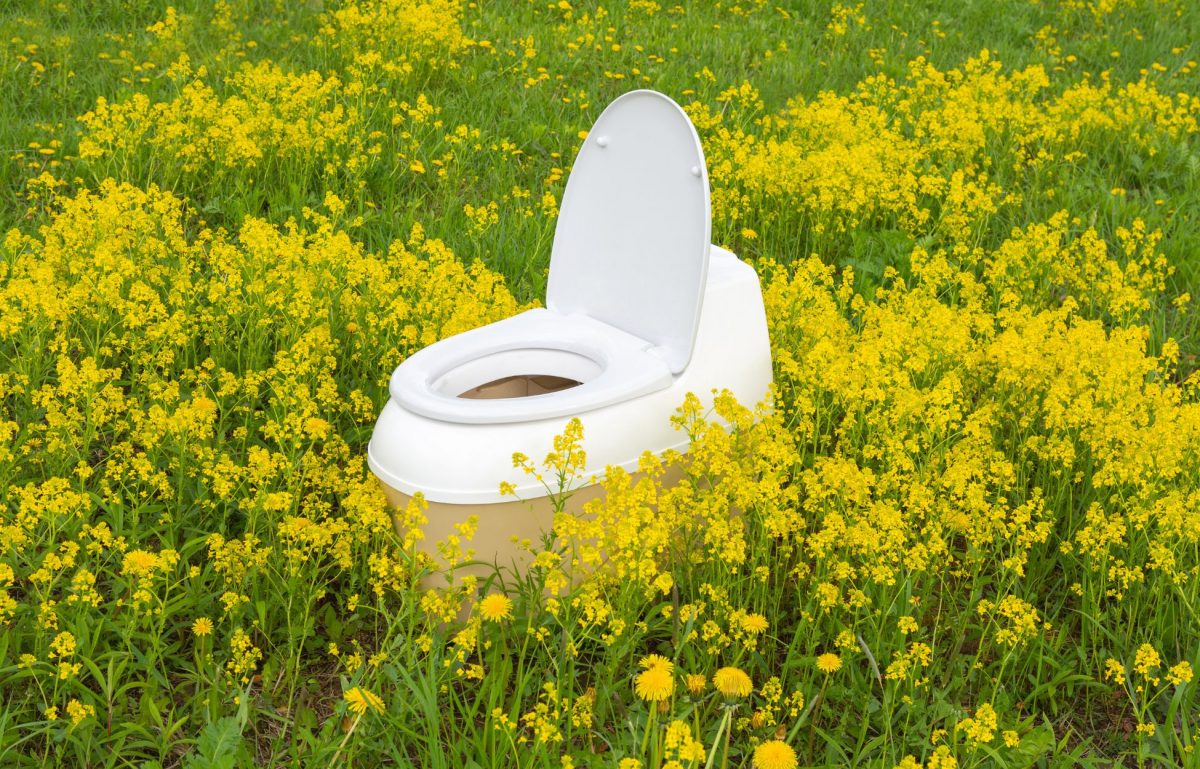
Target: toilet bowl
[(640, 310)]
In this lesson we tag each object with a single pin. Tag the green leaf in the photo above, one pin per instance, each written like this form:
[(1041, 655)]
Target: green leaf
[(306, 717), (1037, 743), (220, 746)]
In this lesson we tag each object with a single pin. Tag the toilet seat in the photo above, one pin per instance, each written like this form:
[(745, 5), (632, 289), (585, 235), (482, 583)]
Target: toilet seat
[(631, 247), (611, 365), (627, 274)]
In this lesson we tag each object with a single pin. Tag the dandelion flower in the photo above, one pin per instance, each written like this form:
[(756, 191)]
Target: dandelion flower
[(654, 684), (732, 682), (361, 700), (202, 626), (496, 607), (696, 682), (656, 661), (754, 624), (829, 663), (139, 562), (774, 754)]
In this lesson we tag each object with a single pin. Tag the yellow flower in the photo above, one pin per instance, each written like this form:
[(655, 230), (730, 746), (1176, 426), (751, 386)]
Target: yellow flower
[(656, 661), (732, 682), (1146, 660), (202, 626), (139, 562), (696, 682), (654, 684), (755, 624), (1180, 674), (829, 663), (361, 700), (244, 656), (982, 727), (78, 711), (334, 204), (496, 607), (942, 759), (774, 754), (62, 646)]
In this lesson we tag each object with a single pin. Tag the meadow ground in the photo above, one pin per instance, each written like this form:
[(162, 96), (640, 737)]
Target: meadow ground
[(970, 529)]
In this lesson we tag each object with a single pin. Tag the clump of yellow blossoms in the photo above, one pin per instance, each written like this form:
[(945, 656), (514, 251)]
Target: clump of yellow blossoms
[(981, 727), (394, 34), (273, 116)]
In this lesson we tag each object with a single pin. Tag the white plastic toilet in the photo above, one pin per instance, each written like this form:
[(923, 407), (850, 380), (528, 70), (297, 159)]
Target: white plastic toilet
[(640, 310)]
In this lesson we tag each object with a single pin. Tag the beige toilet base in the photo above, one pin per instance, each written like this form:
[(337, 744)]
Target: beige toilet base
[(505, 531)]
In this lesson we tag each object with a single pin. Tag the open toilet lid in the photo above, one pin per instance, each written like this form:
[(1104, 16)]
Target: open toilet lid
[(632, 241)]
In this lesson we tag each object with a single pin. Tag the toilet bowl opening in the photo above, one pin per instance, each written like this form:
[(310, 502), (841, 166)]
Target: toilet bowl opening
[(523, 373), (520, 386)]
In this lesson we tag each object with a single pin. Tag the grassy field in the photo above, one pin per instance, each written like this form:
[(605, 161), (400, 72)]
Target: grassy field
[(970, 523)]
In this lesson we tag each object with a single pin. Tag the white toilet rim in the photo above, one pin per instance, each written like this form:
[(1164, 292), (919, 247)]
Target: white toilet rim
[(610, 365), (537, 361)]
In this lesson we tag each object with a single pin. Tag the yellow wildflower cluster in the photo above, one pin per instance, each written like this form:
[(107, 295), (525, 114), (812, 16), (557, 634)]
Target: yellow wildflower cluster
[(268, 117), (284, 495), (394, 35), (925, 153), (244, 657), (980, 728)]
